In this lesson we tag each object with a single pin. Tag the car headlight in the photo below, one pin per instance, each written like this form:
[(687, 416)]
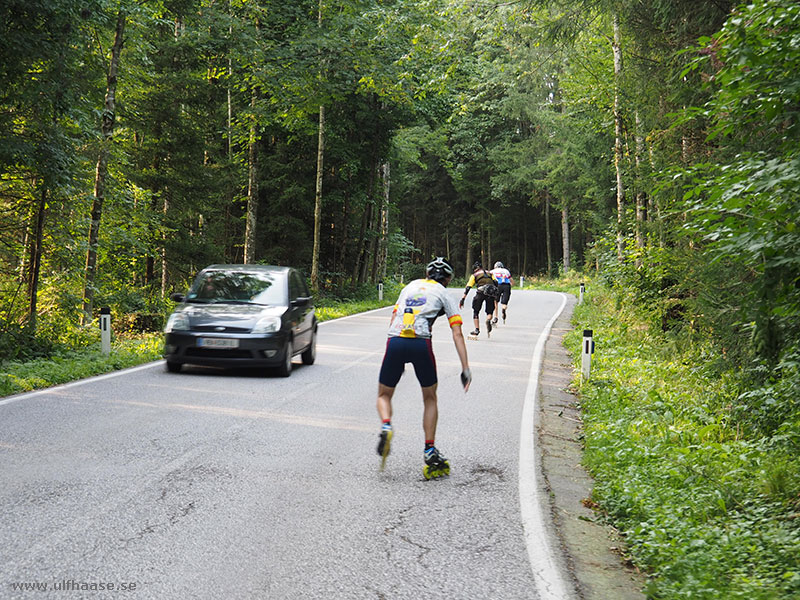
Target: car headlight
[(177, 322), (267, 325)]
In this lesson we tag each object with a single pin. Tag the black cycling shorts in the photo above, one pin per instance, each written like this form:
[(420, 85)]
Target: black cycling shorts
[(478, 301), (399, 351), (505, 292)]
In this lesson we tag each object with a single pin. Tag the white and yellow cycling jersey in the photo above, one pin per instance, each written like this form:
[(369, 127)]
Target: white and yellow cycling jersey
[(418, 306)]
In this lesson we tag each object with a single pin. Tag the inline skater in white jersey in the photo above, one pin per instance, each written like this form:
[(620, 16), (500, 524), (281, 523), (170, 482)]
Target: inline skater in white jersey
[(420, 303), (504, 282)]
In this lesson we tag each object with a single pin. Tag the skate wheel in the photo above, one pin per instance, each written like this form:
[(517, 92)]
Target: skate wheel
[(433, 473), (386, 449)]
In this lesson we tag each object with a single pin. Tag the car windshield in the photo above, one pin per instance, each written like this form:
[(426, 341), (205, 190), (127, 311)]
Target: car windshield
[(239, 287)]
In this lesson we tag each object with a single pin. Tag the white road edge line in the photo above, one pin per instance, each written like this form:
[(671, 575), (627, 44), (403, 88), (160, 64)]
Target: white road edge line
[(550, 584)]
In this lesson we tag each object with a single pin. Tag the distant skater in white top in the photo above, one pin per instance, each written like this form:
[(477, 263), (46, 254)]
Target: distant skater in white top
[(504, 282)]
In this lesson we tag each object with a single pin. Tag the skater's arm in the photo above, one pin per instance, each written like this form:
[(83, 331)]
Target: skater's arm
[(461, 348), (470, 283)]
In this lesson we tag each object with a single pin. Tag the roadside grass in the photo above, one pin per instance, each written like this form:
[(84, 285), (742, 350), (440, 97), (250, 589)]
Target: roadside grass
[(71, 363), (569, 283), (708, 510)]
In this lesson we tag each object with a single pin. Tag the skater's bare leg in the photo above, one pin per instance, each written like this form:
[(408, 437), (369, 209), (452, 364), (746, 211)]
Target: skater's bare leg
[(385, 394), (430, 415)]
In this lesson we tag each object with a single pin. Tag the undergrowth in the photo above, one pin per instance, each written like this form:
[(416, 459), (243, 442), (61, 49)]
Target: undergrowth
[(70, 364), (707, 497)]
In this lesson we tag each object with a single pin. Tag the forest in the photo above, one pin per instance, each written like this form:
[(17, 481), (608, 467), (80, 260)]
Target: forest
[(654, 142), (651, 146)]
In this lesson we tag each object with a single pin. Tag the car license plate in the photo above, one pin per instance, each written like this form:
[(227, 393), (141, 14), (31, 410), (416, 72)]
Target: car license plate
[(217, 343)]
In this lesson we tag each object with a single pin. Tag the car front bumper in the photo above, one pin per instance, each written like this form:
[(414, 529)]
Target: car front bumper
[(184, 347)]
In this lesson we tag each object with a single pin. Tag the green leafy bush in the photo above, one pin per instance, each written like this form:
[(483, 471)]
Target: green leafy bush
[(689, 463)]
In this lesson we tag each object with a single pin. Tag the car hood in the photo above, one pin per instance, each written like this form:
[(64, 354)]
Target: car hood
[(236, 317)]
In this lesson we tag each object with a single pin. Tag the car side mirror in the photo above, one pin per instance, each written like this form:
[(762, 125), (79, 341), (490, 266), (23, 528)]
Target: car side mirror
[(177, 297), (301, 301)]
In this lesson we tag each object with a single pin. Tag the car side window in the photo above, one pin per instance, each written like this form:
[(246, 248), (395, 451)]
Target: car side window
[(301, 282), (294, 290)]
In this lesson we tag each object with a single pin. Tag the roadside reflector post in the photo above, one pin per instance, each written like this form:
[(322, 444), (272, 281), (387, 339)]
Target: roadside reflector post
[(380, 290), (580, 297), (105, 330), (522, 281), (586, 354)]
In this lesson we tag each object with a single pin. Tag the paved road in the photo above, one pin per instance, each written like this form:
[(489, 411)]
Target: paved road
[(209, 484)]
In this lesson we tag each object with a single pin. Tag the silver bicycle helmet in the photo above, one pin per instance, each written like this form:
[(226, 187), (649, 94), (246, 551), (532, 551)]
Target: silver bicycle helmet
[(439, 269), (498, 265)]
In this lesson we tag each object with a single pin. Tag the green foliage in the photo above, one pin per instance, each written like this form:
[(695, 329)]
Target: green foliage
[(743, 204), (705, 495), (69, 365)]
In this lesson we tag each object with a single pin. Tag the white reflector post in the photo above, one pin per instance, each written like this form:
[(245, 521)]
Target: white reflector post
[(586, 354), (105, 330), (380, 291), (580, 298)]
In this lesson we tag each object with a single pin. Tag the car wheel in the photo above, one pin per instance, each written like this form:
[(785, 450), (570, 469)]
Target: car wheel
[(310, 353), (286, 366), (174, 367)]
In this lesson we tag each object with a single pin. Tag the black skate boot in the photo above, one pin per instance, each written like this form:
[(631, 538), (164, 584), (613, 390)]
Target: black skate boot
[(489, 327), (436, 465), (384, 444), (473, 335), (494, 321), (504, 316)]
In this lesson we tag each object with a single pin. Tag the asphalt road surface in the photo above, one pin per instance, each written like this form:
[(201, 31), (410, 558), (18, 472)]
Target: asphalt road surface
[(214, 484)]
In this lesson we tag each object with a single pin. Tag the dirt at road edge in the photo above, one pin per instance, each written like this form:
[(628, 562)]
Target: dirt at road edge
[(591, 547)]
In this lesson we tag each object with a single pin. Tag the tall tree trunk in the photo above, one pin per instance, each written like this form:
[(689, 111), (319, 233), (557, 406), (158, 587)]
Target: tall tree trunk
[(252, 188), (524, 240), (468, 270), (653, 209), (318, 188), (547, 234), (361, 258), (35, 260), (22, 270), (318, 200), (489, 252), (565, 238), (164, 264), (101, 171), (618, 137), (484, 234), (375, 232), (229, 249), (384, 242), (641, 209), (342, 236)]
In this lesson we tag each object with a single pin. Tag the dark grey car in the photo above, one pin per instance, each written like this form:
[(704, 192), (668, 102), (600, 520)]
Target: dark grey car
[(243, 316)]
